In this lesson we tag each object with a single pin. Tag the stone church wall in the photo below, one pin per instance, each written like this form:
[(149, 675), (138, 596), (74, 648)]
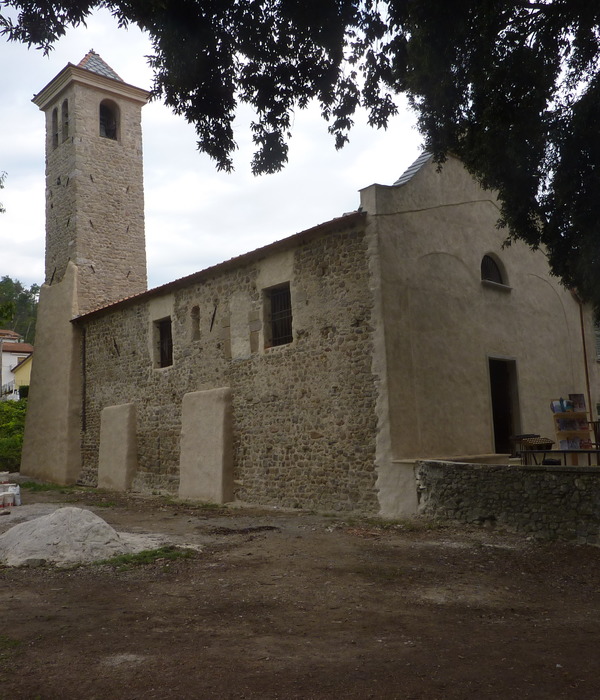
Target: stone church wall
[(304, 419)]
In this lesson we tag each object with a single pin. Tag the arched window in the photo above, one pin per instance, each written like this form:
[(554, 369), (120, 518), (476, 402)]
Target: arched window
[(109, 120), (490, 270), (55, 127), (65, 120)]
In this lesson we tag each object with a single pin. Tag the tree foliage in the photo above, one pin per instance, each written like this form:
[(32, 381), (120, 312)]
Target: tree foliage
[(18, 307), (511, 88), (12, 427), (2, 178)]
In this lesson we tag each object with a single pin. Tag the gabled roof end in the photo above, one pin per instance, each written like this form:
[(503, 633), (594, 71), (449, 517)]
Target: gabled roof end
[(413, 169)]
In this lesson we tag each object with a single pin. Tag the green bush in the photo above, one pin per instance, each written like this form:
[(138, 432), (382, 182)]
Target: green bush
[(12, 426)]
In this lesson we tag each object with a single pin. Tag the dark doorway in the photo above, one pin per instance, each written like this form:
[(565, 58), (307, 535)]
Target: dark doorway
[(503, 384)]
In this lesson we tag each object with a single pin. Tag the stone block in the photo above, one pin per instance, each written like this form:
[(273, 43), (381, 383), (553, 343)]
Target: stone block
[(206, 461), (117, 460)]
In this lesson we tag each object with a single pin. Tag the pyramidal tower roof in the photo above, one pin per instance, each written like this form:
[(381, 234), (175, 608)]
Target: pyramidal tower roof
[(95, 64), (92, 71)]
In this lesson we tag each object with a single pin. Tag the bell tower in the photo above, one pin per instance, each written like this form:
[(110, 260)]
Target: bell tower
[(94, 182), (95, 245)]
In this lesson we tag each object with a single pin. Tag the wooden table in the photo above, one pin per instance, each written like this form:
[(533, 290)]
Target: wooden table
[(534, 457)]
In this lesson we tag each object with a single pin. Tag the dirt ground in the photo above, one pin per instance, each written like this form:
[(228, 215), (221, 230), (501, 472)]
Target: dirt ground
[(298, 605)]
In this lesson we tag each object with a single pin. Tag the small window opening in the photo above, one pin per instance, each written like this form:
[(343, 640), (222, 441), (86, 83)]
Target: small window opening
[(109, 120), (54, 127), (490, 270), (65, 120), (195, 319), (278, 308), (164, 342)]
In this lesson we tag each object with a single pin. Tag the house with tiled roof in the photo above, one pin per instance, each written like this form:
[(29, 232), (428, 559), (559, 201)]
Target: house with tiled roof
[(22, 375), (9, 336), (313, 372), (12, 353)]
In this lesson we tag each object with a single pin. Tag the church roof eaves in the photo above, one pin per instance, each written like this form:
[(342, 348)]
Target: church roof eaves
[(334, 225), (413, 169)]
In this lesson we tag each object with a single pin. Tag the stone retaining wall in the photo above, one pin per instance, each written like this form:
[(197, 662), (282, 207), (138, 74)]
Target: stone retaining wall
[(546, 501)]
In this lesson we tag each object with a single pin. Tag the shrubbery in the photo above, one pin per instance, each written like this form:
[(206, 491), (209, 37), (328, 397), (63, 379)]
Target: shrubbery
[(12, 426)]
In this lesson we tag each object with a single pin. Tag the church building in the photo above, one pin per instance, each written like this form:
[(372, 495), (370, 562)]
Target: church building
[(312, 372)]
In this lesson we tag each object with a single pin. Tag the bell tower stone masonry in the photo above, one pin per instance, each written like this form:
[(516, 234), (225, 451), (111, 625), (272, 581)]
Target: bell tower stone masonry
[(94, 182), (95, 245)]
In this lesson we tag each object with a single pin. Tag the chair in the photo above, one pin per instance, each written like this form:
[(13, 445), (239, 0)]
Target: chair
[(595, 429), (517, 441), (534, 443)]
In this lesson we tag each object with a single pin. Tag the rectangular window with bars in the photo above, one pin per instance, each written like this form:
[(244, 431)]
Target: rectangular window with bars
[(278, 313)]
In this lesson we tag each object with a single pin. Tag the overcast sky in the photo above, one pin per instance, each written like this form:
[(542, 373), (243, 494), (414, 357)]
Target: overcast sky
[(195, 216)]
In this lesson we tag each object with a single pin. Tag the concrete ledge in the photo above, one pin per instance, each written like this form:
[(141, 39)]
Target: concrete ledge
[(488, 458)]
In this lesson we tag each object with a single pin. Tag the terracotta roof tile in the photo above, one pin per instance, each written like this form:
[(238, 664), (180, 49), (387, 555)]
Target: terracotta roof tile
[(17, 348), (9, 335)]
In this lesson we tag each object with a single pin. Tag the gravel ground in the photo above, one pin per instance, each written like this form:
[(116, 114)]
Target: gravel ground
[(274, 604)]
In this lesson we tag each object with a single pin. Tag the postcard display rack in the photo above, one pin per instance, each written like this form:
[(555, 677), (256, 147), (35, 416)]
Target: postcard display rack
[(571, 423)]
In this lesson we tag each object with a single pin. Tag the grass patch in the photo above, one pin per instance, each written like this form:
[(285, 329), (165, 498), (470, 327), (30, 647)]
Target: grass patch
[(8, 642), (8, 646), (34, 486), (122, 562), (208, 506)]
